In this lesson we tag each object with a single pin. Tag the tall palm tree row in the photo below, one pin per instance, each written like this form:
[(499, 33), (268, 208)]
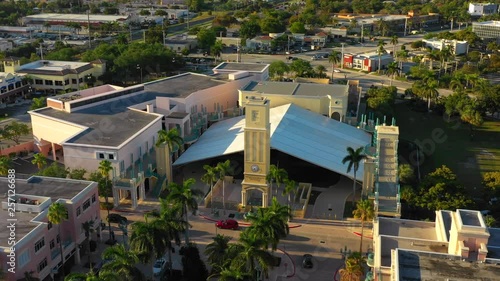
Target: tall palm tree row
[(56, 215), (353, 158)]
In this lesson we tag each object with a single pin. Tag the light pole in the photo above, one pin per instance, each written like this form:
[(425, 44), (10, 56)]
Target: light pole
[(406, 26), (140, 68)]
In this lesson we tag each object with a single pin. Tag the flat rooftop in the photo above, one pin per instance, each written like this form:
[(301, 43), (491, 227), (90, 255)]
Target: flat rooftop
[(256, 67), (23, 225), (421, 266), (470, 217), (490, 22), (125, 122), (183, 85), (53, 188), (297, 89), (388, 243), (407, 228), (54, 67), (53, 17)]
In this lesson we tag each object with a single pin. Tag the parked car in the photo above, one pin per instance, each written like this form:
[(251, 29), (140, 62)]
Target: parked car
[(159, 266), (116, 218), (337, 71), (307, 261), (227, 224)]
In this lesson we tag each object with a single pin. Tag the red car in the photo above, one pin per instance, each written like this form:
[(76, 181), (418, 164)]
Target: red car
[(227, 224)]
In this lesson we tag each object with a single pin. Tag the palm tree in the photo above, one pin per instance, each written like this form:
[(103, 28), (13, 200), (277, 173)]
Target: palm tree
[(5, 164), (217, 250), (354, 157), (277, 175), (432, 56), (223, 169), (251, 252), (39, 160), (186, 197), (394, 42), (392, 69), (334, 59), (104, 168), (428, 90), (56, 215), (271, 224), (320, 69), (88, 228), (37, 103), (230, 274), (353, 270), (103, 276), (380, 51), (148, 240), (172, 142), (210, 177), (216, 49), (382, 26), (364, 212), (171, 223), (122, 262), (290, 187)]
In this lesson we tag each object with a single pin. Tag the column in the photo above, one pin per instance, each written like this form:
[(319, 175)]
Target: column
[(133, 195), (116, 196), (243, 196), (77, 255), (53, 151), (264, 199), (142, 191)]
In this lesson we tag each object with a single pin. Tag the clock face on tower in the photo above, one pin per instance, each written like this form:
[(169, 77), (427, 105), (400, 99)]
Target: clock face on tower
[(255, 168)]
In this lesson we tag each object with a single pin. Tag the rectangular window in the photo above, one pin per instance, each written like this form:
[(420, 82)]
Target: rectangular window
[(24, 258), (73, 81), (78, 211), (42, 265), (52, 244), (111, 156), (49, 225), (100, 155), (49, 82), (59, 83), (58, 239), (39, 244), (66, 82), (39, 81), (93, 198), (86, 204)]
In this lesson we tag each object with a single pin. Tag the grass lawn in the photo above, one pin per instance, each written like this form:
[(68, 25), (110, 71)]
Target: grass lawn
[(450, 144)]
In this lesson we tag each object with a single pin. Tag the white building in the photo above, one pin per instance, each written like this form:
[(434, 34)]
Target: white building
[(482, 9), (487, 29), (5, 45), (458, 47)]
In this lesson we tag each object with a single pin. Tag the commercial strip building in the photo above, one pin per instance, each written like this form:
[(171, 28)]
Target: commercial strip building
[(36, 240), (456, 246), (367, 62), (52, 76), (487, 29), (482, 9), (82, 128), (458, 47), (13, 87), (52, 22)]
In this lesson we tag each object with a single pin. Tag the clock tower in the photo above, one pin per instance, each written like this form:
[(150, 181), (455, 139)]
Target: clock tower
[(257, 150)]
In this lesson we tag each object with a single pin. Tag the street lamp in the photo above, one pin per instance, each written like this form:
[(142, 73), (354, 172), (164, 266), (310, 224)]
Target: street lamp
[(140, 68), (345, 252)]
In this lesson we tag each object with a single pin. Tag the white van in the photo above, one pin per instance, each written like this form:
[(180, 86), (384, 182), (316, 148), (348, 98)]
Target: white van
[(414, 32)]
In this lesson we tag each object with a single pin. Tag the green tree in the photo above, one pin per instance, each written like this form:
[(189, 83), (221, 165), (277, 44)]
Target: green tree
[(186, 197), (392, 69), (354, 157), (491, 183), (14, 131), (277, 69), (77, 174), (380, 51), (250, 253), (426, 89), (223, 169), (88, 228), (106, 187), (195, 5), (394, 42), (320, 69), (206, 38), (301, 68), (353, 269), (148, 240), (172, 142), (275, 174), (209, 178), (154, 34), (37, 103), (290, 187), (334, 59), (39, 160), (249, 29), (122, 262), (217, 251), (382, 26), (103, 276), (297, 27), (229, 274), (364, 212), (56, 215), (490, 221), (406, 174), (193, 267), (54, 170), (216, 49), (5, 164)]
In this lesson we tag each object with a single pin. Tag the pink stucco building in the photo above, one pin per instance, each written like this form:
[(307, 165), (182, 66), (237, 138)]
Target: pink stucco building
[(36, 247)]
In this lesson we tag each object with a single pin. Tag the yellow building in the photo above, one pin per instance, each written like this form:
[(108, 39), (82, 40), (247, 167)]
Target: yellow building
[(326, 99), (53, 76)]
